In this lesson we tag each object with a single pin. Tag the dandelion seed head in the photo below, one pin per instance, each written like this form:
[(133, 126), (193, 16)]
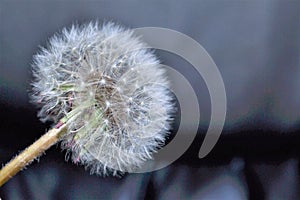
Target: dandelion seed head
[(113, 92)]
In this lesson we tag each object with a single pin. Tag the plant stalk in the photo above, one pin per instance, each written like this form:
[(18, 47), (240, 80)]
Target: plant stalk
[(30, 153)]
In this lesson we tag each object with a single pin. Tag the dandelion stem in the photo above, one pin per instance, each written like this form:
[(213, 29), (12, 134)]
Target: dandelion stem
[(29, 154)]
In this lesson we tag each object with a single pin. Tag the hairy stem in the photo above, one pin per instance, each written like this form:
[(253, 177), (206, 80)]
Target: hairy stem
[(33, 151)]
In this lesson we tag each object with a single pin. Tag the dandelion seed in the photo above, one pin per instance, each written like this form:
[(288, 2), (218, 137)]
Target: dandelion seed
[(105, 87)]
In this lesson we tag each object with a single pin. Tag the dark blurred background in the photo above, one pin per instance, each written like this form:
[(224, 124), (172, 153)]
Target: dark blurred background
[(256, 46)]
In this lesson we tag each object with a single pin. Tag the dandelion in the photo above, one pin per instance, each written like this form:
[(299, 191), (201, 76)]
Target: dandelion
[(106, 94)]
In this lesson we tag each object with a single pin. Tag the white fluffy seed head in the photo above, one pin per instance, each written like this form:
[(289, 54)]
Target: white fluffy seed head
[(111, 89)]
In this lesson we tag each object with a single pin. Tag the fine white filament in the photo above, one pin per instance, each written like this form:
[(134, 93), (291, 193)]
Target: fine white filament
[(112, 92)]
